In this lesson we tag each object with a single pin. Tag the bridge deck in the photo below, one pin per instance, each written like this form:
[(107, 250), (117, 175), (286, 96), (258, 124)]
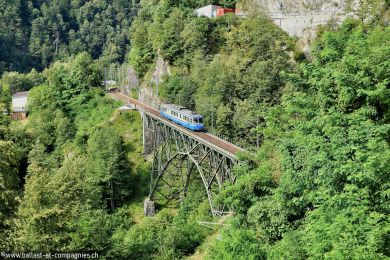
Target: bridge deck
[(207, 138)]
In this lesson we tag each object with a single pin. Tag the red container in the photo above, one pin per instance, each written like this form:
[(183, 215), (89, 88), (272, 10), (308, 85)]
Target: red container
[(223, 11)]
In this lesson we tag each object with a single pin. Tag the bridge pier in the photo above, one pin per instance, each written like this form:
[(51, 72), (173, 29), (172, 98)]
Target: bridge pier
[(148, 136), (179, 154), (149, 207)]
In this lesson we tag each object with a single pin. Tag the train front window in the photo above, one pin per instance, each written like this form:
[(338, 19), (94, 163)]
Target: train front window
[(199, 120)]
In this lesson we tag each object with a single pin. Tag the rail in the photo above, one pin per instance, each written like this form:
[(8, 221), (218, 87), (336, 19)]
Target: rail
[(211, 140)]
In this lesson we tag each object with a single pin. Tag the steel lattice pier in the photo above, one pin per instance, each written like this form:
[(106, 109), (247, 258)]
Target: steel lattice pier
[(177, 155)]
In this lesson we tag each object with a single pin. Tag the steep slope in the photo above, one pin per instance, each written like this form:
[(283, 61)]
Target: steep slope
[(299, 6)]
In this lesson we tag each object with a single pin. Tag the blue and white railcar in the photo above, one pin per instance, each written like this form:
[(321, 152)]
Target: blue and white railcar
[(182, 116)]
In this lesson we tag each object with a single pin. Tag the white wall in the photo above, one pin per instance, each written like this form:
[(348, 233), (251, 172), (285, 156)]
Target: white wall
[(208, 11), (299, 24), (19, 102)]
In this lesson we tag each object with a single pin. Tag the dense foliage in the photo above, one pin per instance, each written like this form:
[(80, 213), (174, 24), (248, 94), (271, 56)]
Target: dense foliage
[(323, 169), (318, 186), (227, 68), (35, 33), (73, 176), (64, 195)]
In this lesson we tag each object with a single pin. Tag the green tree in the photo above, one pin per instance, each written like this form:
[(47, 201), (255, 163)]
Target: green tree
[(237, 244), (366, 10), (72, 82), (318, 186), (55, 206), (35, 34), (13, 37), (9, 189), (108, 167)]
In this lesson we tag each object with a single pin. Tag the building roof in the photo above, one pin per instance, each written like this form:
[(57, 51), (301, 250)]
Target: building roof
[(214, 5), (127, 107), (183, 110), (210, 5), (20, 94)]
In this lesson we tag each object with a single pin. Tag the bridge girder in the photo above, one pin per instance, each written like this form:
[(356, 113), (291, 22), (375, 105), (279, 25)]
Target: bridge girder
[(177, 155)]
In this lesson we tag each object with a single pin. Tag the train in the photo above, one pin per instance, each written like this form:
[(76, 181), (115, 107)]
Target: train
[(182, 116)]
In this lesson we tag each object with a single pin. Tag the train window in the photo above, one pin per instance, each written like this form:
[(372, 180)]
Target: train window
[(200, 120)]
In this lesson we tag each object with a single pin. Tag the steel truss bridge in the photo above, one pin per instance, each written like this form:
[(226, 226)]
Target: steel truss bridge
[(179, 154)]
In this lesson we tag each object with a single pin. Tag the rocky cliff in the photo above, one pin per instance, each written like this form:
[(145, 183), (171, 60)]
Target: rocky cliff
[(301, 18), (301, 6)]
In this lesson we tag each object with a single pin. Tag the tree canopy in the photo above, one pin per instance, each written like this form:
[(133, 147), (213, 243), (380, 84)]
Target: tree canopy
[(36, 33), (313, 185)]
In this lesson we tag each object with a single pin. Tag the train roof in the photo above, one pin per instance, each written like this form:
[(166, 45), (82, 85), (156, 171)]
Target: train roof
[(183, 110)]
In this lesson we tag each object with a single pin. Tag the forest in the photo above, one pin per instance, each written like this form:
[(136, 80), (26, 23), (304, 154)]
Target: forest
[(36, 33), (314, 184)]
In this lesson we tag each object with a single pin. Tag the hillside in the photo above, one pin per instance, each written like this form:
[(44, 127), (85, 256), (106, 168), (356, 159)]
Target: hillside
[(34, 33), (301, 6), (312, 184)]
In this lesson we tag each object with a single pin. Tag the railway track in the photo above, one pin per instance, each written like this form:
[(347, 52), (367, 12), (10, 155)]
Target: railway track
[(204, 137)]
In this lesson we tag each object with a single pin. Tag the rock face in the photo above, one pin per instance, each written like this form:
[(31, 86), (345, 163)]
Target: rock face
[(149, 92), (301, 6), (304, 25), (130, 80), (300, 18), (148, 95), (162, 69)]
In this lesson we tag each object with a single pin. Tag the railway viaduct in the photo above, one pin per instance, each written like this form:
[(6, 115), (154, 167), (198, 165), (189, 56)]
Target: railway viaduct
[(177, 154)]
